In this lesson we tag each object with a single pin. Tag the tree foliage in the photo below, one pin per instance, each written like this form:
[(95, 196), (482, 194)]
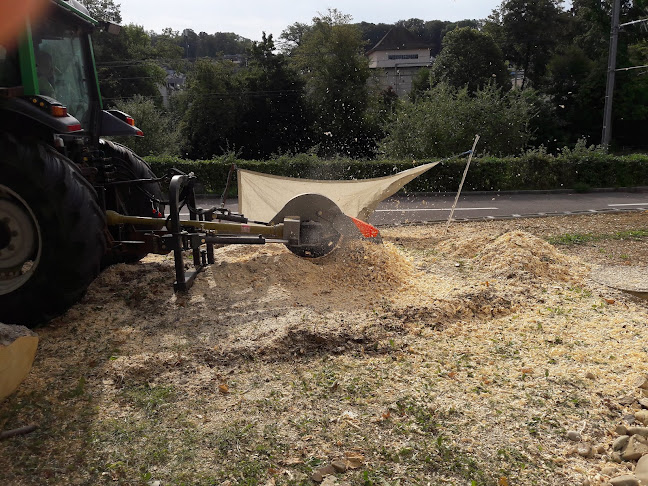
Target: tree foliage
[(446, 120), (216, 104), (331, 61), (161, 135), (528, 33), (127, 64), (276, 120), (470, 58), (316, 94), (106, 10)]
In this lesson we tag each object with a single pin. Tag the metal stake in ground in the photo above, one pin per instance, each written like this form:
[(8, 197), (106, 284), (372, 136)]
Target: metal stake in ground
[(462, 183)]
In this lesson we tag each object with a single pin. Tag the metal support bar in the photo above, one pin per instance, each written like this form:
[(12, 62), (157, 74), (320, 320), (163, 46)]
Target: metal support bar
[(184, 280)]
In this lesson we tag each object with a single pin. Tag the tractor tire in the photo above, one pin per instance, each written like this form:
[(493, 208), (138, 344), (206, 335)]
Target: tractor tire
[(51, 233), (143, 199)]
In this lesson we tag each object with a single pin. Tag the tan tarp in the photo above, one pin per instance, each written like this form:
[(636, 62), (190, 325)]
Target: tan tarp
[(261, 196)]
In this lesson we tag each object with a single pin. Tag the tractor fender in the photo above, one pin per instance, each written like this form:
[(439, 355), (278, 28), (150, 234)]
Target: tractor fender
[(21, 116)]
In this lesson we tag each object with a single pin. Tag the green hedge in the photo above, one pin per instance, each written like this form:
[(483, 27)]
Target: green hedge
[(535, 171)]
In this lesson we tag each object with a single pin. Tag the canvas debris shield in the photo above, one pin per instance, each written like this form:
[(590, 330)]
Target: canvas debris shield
[(262, 196)]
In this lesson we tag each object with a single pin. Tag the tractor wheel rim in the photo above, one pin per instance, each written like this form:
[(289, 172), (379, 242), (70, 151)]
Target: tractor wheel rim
[(20, 241)]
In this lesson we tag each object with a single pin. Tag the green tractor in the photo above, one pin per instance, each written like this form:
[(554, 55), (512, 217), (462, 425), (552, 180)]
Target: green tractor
[(57, 176), (72, 203)]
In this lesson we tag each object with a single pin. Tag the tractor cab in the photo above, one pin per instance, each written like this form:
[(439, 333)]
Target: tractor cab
[(50, 80), (63, 66)]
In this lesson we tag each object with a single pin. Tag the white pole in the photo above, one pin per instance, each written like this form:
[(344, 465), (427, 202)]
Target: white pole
[(472, 152)]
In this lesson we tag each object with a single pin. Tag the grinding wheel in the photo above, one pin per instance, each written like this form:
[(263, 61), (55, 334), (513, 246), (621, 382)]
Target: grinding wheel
[(323, 225)]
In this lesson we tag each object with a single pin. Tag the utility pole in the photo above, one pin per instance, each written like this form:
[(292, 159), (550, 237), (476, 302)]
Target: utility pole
[(609, 89)]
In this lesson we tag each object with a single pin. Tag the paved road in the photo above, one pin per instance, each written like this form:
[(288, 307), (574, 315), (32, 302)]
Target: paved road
[(436, 207)]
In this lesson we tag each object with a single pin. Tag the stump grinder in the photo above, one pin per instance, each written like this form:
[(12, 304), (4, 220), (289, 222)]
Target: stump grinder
[(72, 202)]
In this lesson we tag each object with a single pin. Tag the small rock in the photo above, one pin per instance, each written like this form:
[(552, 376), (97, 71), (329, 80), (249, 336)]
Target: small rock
[(600, 449), (586, 482), (609, 471), (642, 416), (627, 400), (590, 376), (329, 481), (625, 480), (573, 436), (641, 471), (637, 447), (629, 418), (339, 466), (642, 431), (641, 382), (319, 475), (620, 442), (643, 402), (585, 450), (616, 457), (621, 430)]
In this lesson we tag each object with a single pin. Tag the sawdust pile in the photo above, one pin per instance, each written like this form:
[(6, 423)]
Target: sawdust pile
[(463, 247), (519, 254), (353, 275)]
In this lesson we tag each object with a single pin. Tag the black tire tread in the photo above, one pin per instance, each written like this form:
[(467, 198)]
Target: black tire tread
[(138, 200), (72, 227)]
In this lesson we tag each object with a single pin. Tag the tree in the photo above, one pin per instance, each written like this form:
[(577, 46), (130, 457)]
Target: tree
[(291, 37), (575, 79), (528, 33), (167, 46), (276, 120), (126, 64), (215, 108), (372, 33), (106, 10), (470, 58), (446, 120), (161, 136), (331, 60)]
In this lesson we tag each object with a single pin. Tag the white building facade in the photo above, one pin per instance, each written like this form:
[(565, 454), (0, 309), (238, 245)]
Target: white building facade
[(396, 59)]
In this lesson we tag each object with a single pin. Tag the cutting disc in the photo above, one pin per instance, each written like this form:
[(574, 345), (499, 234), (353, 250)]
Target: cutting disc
[(323, 225)]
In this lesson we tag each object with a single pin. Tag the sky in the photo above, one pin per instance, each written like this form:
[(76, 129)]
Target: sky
[(251, 17)]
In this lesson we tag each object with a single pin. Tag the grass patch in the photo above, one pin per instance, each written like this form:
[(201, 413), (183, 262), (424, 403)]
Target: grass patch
[(582, 238)]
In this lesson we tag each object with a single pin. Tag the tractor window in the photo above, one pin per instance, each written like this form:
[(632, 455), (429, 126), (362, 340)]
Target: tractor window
[(61, 67), (9, 72)]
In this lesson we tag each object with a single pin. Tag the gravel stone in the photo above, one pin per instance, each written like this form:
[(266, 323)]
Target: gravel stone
[(641, 382), (637, 447), (621, 430), (625, 480), (586, 450), (573, 436), (642, 416), (620, 442), (642, 431), (641, 471)]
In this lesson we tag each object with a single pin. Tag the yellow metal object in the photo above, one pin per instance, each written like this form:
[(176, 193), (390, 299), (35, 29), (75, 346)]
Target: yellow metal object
[(15, 362), (274, 231)]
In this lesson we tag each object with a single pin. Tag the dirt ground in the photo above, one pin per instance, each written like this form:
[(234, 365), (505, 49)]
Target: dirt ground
[(437, 358)]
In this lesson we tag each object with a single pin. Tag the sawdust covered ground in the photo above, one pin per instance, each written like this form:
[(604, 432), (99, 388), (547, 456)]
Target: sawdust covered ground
[(458, 358)]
